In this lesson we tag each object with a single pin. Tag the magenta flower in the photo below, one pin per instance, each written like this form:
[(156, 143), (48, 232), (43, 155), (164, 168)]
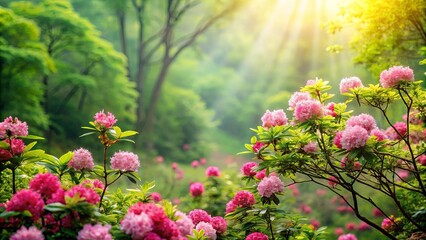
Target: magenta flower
[(136, 225), (315, 223), (104, 121), (82, 159), (93, 184), (363, 226), (363, 120), (348, 236), (194, 164), (26, 200), (167, 229), (422, 159), (247, 169), (338, 231), (244, 198), (257, 146), (332, 181), (346, 84), (393, 76), (401, 130), (31, 233), (297, 97), (377, 212), (219, 224), (388, 224), (275, 118), (156, 196), (231, 206), (184, 223), (46, 184), (209, 231), (270, 185), (155, 212), (58, 196), (308, 109), (329, 110), (305, 208), (354, 137), (196, 189), (125, 161), (380, 134), (337, 139), (17, 146), (13, 127), (261, 174), (159, 159), (350, 226), (88, 194), (311, 147), (257, 236), (94, 232), (212, 171), (199, 215), (5, 155)]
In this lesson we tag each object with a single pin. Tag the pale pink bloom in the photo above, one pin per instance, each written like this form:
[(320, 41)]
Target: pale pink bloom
[(348, 236), (104, 121), (209, 231), (297, 97), (156, 196), (88, 194), (179, 174), (212, 171), (257, 236), (354, 137), (321, 192), (380, 134), (174, 166), (194, 164), (3, 130), (275, 118), (136, 225), (270, 185), (305, 208), (247, 169), (311, 147), (82, 159), (393, 76), (219, 224), (363, 120), (415, 118), (261, 174), (46, 184), (230, 206), (159, 159), (176, 201), (329, 110), (332, 181), (311, 82), (13, 127), (338, 231), (196, 189), (31, 233), (94, 232), (402, 174), (363, 226), (308, 109), (422, 159), (125, 161), (346, 84), (257, 146), (199, 215), (244, 198), (401, 128), (203, 161), (26, 200), (388, 224), (184, 223)]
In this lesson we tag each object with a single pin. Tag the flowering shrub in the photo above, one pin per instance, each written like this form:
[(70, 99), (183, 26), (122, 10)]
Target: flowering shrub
[(352, 151)]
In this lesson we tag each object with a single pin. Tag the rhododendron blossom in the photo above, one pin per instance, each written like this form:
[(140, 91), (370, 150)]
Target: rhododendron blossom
[(136, 225), (17, 146), (104, 121), (230, 206), (195, 164), (348, 236), (219, 224), (363, 120), (209, 231), (31, 233), (393, 76), (46, 184), (388, 224), (380, 134), (270, 185), (26, 200), (261, 174), (247, 169), (257, 236), (13, 127), (94, 232), (196, 189), (354, 137), (184, 223), (257, 146), (156, 196), (297, 97), (212, 171), (199, 215), (244, 198), (82, 159), (88, 194), (275, 118), (332, 181), (396, 132), (311, 147), (308, 109), (346, 84), (125, 161)]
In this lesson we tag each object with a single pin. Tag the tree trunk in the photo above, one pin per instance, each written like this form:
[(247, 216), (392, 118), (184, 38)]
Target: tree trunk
[(121, 17)]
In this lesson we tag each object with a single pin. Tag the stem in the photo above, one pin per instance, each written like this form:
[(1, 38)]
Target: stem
[(268, 220), (105, 177)]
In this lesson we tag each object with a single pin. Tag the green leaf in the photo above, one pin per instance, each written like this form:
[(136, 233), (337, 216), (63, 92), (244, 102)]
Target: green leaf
[(131, 179), (9, 214), (64, 159), (4, 145), (29, 146), (87, 134), (128, 134), (32, 137), (55, 207), (89, 128), (127, 140)]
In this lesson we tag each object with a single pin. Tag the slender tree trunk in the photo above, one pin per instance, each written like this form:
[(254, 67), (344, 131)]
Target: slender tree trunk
[(121, 17)]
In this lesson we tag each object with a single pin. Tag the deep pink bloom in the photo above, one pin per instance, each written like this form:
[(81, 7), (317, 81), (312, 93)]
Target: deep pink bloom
[(247, 169), (184, 223), (261, 174), (244, 198), (337, 139), (332, 181), (348, 236), (13, 127), (315, 223), (257, 236), (31, 233), (388, 224), (422, 159), (167, 229), (94, 232), (380, 134), (136, 225), (152, 236), (88, 194), (329, 110), (308, 109), (209, 231), (26, 200), (257, 146), (5, 155), (363, 120), (199, 215), (350, 226), (155, 212), (363, 226), (351, 165), (338, 231), (17, 146), (82, 159), (311, 147), (212, 171), (219, 224), (196, 189), (275, 118), (401, 128), (354, 137), (270, 185), (58, 196), (125, 161), (393, 76), (297, 97), (230, 206), (346, 84), (104, 121), (377, 212), (195, 164), (305, 208), (46, 184), (156, 196)]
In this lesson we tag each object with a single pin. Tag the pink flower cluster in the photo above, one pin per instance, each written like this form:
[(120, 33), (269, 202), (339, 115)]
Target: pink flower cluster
[(311, 147), (212, 226), (275, 118), (27, 233), (26, 200), (308, 109), (247, 169), (212, 171), (298, 97), (156, 197), (257, 146), (257, 236), (269, 186), (242, 198), (348, 236), (46, 184), (17, 147), (398, 131), (13, 127), (104, 121), (184, 223), (82, 159), (94, 232), (393, 76), (346, 84), (363, 120), (88, 194), (125, 161), (196, 189), (208, 229)]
